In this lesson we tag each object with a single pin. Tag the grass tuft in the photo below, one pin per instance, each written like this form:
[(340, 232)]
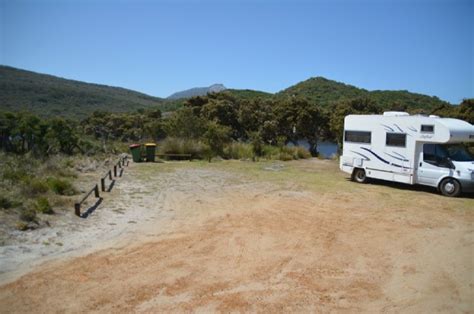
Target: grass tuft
[(61, 187), (28, 214), (42, 205)]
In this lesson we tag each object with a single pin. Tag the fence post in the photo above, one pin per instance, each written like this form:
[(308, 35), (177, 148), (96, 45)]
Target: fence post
[(96, 191), (102, 184), (77, 209)]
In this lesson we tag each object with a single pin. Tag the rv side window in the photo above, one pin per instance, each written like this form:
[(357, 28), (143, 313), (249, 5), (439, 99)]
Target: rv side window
[(357, 136), (396, 139), (427, 128), (434, 153)]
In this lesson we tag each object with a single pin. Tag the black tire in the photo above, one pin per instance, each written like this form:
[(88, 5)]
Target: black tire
[(450, 187), (359, 175)]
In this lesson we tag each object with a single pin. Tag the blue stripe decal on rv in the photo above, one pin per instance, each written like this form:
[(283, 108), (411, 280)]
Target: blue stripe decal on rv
[(387, 127), (398, 127), (412, 129), (383, 160), (398, 154), (397, 158), (365, 157), (380, 158)]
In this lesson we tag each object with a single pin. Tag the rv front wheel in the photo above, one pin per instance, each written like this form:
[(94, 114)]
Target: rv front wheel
[(359, 176), (450, 187)]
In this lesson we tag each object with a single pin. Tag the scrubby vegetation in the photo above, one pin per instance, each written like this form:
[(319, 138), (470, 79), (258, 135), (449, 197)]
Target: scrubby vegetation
[(29, 184), (38, 151)]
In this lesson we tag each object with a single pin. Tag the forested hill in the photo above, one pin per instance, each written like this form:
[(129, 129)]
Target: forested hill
[(48, 95), (327, 92)]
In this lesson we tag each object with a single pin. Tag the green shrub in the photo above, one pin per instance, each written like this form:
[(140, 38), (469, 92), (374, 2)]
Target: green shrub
[(284, 156), (36, 186), (173, 145), (238, 150), (42, 205), (271, 152), (5, 203), (14, 175), (302, 153), (61, 187), (216, 136), (257, 143), (27, 214)]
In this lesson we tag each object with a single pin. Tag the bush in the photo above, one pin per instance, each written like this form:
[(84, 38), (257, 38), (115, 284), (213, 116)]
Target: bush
[(14, 174), (302, 153), (5, 203), (36, 186), (238, 150), (257, 143), (195, 148), (42, 205), (271, 152), (216, 136), (284, 156), (20, 225), (61, 187), (28, 214)]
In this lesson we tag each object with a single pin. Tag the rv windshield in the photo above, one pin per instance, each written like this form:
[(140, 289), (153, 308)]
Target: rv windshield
[(457, 152)]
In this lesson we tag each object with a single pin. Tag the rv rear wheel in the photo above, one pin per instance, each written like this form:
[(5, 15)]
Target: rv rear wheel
[(450, 187), (359, 176)]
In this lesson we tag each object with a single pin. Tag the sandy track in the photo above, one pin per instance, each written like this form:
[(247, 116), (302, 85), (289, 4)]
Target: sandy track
[(220, 241)]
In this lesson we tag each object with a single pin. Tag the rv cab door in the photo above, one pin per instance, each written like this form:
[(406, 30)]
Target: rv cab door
[(429, 169)]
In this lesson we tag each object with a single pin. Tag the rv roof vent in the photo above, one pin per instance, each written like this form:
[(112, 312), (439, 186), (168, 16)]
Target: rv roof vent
[(433, 116), (395, 113)]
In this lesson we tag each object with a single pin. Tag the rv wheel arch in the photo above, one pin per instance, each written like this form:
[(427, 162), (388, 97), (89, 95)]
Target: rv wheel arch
[(359, 175), (450, 187)]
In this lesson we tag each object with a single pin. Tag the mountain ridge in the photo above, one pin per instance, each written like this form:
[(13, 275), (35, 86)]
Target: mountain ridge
[(197, 91), (49, 95), (327, 92)]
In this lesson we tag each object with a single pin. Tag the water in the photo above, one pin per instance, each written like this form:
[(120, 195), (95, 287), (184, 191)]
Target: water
[(326, 149)]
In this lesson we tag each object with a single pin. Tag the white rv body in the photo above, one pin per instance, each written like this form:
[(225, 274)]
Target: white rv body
[(399, 147)]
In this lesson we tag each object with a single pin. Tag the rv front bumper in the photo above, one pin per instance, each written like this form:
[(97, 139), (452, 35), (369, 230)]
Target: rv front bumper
[(467, 186)]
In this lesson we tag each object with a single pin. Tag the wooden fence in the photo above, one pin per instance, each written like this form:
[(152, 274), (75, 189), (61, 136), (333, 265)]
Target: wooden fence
[(95, 190)]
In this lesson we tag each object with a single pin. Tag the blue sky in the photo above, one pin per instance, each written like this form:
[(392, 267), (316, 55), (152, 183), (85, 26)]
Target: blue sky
[(159, 47)]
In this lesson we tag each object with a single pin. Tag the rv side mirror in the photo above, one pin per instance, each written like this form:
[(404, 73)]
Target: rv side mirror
[(450, 163)]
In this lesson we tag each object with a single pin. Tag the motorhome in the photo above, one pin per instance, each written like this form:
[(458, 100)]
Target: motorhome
[(412, 149)]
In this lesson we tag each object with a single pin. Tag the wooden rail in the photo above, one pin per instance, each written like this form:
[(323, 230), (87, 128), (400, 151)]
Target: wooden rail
[(175, 155), (77, 206), (120, 164)]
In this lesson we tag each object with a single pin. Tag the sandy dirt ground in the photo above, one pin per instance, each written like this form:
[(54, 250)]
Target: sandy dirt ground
[(265, 237)]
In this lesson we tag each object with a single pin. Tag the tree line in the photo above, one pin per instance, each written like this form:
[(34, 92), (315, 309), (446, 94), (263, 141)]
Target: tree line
[(215, 119)]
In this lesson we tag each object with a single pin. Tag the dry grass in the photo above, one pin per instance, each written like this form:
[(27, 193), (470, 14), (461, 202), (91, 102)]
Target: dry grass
[(267, 237)]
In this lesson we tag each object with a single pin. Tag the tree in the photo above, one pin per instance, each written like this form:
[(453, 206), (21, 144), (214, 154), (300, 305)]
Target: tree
[(257, 143), (61, 136), (216, 136), (224, 113), (310, 125), (466, 110), (184, 123)]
